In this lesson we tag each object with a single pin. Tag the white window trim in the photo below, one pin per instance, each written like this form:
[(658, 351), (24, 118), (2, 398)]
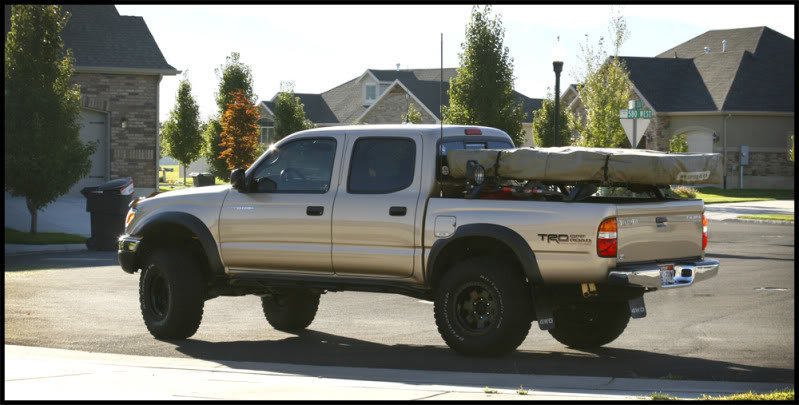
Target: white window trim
[(366, 85), (268, 134)]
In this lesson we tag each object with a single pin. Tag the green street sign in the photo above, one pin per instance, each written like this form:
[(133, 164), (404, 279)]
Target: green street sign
[(636, 104), (632, 114)]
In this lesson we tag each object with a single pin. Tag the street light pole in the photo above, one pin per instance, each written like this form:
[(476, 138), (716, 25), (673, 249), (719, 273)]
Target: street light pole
[(557, 66)]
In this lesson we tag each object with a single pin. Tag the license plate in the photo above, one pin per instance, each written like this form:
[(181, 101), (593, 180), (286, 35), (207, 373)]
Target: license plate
[(666, 276)]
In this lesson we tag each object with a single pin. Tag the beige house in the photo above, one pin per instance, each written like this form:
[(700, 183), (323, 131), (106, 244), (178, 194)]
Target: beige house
[(382, 97), (725, 91)]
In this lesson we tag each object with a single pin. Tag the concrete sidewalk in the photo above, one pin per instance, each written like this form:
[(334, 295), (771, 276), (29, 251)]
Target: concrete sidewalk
[(731, 211), (67, 215), (43, 373)]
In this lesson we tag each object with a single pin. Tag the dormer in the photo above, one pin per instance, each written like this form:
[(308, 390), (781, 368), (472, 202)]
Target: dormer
[(371, 91)]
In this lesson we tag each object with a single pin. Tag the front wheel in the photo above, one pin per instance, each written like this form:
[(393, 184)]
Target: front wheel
[(171, 294), (590, 325), (482, 307)]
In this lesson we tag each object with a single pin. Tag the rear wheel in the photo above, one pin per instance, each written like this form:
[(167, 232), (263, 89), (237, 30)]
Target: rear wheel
[(171, 294), (482, 307), (290, 309), (590, 325)]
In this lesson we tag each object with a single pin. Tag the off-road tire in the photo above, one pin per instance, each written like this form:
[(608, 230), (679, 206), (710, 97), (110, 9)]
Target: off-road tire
[(171, 294), (290, 309), (483, 307), (590, 325)]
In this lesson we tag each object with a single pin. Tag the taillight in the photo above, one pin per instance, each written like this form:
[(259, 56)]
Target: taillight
[(473, 131), (606, 238), (704, 232)]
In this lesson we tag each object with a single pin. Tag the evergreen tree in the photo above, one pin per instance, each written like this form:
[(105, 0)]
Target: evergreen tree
[(289, 112), (182, 133), (544, 124), (233, 75), (482, 92), (44, 156)]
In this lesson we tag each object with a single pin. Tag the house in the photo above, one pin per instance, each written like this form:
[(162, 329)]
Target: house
[(725, 91), (119, 67), (381, 97)]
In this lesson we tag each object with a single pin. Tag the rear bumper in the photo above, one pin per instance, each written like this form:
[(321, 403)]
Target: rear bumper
[(649, 275), (127, 252)]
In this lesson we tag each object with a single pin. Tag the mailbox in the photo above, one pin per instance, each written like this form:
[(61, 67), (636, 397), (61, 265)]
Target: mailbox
[(744, 155)]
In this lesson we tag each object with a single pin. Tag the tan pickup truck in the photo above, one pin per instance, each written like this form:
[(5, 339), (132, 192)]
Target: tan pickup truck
[(371, 208)]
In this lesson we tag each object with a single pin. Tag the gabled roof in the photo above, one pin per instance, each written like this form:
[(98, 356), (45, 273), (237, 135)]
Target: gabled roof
[(755, 73), (103, 40), (343, 104)]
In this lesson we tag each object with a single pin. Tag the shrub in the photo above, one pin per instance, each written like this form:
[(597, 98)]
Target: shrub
[(684, 192)]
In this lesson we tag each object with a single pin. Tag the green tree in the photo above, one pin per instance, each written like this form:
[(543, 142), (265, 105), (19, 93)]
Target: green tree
[(413, 115), (678, 143), (482, 92), (289, 112), (791, 150), (44, 156), (181, 134), (605, 88), (233, 75), (544, 124), (239, 132)]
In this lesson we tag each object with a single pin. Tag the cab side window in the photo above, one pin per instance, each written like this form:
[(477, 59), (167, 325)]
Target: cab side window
[(381, 165), (302, 166)]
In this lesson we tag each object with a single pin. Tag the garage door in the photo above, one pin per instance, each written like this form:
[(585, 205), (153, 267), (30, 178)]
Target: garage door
[(699, 141), (93, 128)]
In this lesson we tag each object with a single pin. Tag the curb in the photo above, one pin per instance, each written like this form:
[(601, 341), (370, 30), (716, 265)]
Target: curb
[(15, 249)]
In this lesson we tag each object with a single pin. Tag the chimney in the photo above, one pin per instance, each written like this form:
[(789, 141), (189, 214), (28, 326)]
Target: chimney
[(724, 45), (398, 66), (707, 49)]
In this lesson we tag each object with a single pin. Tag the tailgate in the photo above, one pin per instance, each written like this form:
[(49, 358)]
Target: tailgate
[(659, 230)]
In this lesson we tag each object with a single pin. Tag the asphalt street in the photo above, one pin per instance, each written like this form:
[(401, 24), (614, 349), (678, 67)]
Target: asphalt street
[(738, 326)]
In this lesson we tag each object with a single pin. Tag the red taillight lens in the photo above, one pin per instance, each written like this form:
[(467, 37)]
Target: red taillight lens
[(473, 131), (606, 238), (704, 232)]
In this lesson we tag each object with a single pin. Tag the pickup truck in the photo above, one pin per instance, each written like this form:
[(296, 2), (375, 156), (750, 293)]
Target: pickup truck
[(369, 208)]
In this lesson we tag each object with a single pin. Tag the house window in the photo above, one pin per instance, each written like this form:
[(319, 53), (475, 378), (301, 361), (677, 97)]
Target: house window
[(371, 93), (267, 135)]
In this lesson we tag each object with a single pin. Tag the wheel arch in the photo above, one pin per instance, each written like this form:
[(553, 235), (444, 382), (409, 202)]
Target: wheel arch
[(476, 240), (180, 229)]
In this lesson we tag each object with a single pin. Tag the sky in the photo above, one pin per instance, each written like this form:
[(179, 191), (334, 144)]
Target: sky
[(319, 47)]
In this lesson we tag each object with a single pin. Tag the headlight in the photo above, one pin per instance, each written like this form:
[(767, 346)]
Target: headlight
[(131, 214), (475, 172)]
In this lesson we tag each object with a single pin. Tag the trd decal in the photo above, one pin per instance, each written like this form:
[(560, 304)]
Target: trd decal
[(564, 238)]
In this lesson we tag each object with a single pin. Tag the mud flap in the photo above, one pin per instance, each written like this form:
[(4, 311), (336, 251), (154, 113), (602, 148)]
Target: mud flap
[(637, 307), (543, 310)]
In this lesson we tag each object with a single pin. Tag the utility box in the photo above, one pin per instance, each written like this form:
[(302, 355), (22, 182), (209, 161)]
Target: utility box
[(744, 155)]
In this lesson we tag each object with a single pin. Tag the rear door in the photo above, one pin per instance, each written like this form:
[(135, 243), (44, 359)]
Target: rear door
[(374, 212), (659, 230)]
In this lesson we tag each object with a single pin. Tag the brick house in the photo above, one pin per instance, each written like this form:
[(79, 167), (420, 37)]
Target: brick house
[(723, 90), (119, 67), (382, 97)]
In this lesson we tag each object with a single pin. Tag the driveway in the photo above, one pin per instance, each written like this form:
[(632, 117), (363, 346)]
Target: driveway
[(67, 214), (720, 212)]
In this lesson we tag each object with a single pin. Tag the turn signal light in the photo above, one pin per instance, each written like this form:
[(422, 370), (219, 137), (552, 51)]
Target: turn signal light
[(606, 242), (704, 231), (131, 214)]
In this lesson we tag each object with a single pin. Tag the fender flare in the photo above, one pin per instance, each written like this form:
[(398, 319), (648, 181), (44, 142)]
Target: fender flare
[(193, 224), (505, 235)]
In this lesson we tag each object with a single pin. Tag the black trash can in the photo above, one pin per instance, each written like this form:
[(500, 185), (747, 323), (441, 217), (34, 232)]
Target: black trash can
[(108, 205), (203, 179)]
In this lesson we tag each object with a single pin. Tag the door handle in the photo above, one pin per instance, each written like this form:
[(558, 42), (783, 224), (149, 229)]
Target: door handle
[(315, 210), (397, 211)]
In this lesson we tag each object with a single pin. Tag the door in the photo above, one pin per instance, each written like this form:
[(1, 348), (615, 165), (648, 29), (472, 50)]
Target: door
[(375, 209), (282, 224), (93, 128), (699, 142)]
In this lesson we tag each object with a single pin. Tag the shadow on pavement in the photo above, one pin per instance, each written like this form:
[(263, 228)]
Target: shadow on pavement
[(724, 256), (322, 349)]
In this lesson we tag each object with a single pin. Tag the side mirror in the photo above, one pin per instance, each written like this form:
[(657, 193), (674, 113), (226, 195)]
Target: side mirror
[(237, 179)]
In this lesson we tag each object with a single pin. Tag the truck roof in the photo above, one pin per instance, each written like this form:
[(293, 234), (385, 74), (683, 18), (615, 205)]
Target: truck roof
[(425, 129)]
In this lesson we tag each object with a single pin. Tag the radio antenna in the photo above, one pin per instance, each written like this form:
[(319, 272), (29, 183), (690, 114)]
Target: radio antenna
[(441, 89)]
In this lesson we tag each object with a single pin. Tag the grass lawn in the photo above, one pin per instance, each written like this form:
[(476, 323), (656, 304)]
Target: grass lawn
[(713, 195), (779, 395), (42, 238), (769, 217)]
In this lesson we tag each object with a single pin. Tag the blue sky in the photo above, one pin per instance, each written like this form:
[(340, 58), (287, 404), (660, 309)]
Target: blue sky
[(321, 46)]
